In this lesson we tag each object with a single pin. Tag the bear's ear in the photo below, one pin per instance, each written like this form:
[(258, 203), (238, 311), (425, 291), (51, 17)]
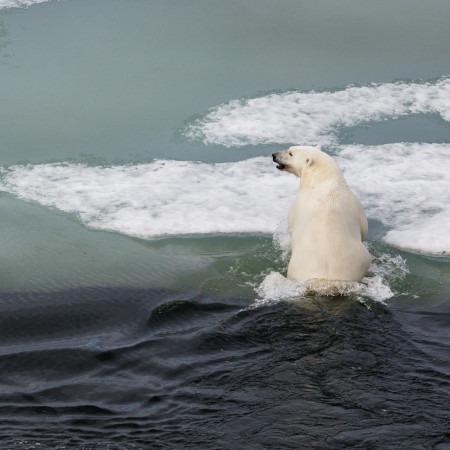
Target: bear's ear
[(319, 147), (310, 161)]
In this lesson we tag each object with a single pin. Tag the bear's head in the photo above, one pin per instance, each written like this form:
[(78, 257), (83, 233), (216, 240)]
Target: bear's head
[(298, 160)]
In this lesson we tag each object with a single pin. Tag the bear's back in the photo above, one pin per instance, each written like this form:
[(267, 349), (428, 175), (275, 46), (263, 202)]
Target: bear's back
[(326, 234)]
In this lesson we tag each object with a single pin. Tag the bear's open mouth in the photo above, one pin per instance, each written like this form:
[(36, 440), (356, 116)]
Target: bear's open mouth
[(281, 166)]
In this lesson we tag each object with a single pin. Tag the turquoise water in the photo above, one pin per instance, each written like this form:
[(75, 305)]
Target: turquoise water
[(113, 83), (135, 143)]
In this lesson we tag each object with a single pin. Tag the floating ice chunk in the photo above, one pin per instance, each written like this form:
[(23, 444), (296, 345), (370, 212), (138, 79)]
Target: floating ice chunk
[(163, 197), (407, 187), (316, 117), (19, 3)]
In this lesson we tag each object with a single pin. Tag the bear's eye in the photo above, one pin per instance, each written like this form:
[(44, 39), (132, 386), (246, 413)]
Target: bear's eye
[(290, 153), (307, 160)]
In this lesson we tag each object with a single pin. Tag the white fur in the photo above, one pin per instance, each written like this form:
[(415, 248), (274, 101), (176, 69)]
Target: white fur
[(326, 221)]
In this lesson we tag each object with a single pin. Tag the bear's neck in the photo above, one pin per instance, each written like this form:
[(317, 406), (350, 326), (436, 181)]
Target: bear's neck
[(313, 178)]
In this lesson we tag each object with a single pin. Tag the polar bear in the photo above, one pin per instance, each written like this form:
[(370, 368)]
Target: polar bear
[(326, 221)]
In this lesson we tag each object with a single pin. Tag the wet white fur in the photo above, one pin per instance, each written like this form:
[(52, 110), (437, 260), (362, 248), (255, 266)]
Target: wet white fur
[(326, 221)]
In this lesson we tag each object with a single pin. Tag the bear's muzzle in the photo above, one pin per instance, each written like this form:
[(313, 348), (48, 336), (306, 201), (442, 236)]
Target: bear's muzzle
[(280, 166)]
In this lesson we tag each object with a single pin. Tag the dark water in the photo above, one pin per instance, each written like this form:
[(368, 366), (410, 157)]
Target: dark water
[(104, 368)]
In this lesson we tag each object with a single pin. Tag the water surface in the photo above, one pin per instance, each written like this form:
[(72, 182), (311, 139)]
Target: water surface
[(143, 298)]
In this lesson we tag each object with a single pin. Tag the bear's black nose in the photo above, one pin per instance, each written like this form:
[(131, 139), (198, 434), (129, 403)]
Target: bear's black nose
[(274, 156)]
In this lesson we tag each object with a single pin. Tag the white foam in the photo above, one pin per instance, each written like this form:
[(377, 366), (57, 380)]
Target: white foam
[(275, 287), (282, 238), (385, 270), (316, 117), (163, 197), (19, 3), (407, 187)]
